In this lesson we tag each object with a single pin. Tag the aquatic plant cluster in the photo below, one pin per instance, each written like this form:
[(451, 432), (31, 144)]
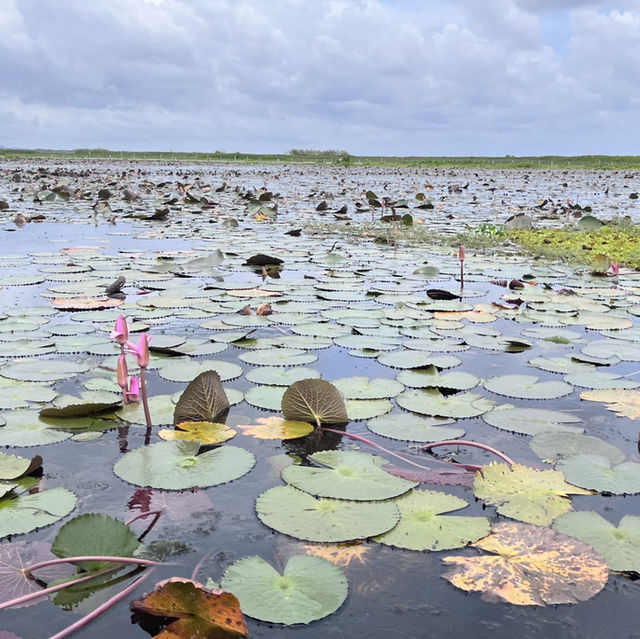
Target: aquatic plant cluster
[(370, 391)]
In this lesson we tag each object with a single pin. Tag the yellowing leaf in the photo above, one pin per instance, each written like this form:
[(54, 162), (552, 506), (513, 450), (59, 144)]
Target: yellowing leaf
[(524, 493), (276, 428), (476, 315), (339, 554), (531, 566), (253, 292), (85, 303), (625, 403), (203, 432)]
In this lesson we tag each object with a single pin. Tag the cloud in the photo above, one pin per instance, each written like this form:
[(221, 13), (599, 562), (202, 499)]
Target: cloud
[(365, 75)]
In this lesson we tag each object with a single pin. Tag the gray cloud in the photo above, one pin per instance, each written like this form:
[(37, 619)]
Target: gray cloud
[(369, 76)]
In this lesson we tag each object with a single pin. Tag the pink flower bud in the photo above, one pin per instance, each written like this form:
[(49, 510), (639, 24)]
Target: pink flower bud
[(123, 373), (141, 351), (121, 333), (133, 395), (614, 269), (461, 253)]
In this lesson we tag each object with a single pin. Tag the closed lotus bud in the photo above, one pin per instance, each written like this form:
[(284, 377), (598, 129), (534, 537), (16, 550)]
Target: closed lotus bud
[(121, 333), (123, 373), (461, 253)]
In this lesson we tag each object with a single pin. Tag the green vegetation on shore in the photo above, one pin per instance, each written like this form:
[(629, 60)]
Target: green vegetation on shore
[(309, 156)]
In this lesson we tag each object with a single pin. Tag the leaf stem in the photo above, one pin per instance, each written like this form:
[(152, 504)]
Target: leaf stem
[(145, 404), (101, 609), (51, 589), (69, 560), (156, 515), (464, 442)]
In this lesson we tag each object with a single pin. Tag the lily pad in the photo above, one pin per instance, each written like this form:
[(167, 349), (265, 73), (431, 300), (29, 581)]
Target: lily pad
[(600, 380), (526, 387), (177, 466), (625, 403), (417, 359), (556, 445), (298, 514), (524, 493), (41, 370), (25, 428), (430, 378), (309, 588), (530, 566), (185, 371), (362, 387), (24, 513), (423, 527), (314, 400), (276, 428), (13, 467), (207, 433), (431, 401), (349, 475), (620, 546), (278, 357), (595, 472), (278, 376), (532, 421), (267, 397), (409, 427), (367, 408)]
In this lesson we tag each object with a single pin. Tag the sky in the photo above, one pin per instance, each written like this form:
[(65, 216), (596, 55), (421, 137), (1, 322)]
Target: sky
[(372, 77)]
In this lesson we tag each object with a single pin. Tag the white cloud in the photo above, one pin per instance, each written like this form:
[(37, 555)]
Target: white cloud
[(365, 75)]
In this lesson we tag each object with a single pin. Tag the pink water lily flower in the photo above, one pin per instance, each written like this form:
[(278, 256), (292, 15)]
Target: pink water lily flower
[(133, 395), (141, 350), (614, 269), (121, 332)]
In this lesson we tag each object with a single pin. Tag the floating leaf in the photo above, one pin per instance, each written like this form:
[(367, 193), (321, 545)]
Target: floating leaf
[(278, 357), (279, 376), (185, 371), (526, 387), (160, 406), (24, 513), (298, 514), (13, 467), (203, 400), (85, 303), (176, 465), (276, 428), (25, 428), (309, 588), (39, 370), (596, 473), (430, 378), (367, 408), (423, 527), (207, 433), (14, 557), (600, 380), (94, 534), (553, 446), (625, 403), (531, 566), (314, 401), (267, 397), (431, 401), (339, 554), (199, 612), (410, 427), (532, 421), (89, 403), (362, 387), (524, 493), (417, 359), (619, 546), (350, 475)]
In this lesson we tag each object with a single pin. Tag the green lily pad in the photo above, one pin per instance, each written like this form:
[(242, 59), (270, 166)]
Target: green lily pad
[(13, 467), (600, 380), (563, 365), (430, 378), (524, 493), (278, 357), (595, 472), (526, 387), (620, 546), (267, 397), (367, 408), (417, 359), (362, 387), (309, 588), (409, 427), (431, 401), (24, 513), (185, 371), (160, 406), (43, 370), (349, 475), (532, 421), (177, 466), (278, 376), (423, 527), (94, 534), (14, 394), (25, 428), (557, 445), (89, 403), (298, 514)]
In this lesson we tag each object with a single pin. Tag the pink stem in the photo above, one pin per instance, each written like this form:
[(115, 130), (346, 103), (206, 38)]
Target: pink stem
[(364, 440), (199, 564), (71, 560), (156, 515), (81, 623), (463, 442), (51, 589), (145, 404)]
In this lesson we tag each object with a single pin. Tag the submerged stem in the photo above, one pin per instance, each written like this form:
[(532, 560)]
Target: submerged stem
[(464, 442), (71, 560), (81, 623)]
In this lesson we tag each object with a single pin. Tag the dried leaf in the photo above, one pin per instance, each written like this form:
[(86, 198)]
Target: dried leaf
[(276, 428), (625, 403)]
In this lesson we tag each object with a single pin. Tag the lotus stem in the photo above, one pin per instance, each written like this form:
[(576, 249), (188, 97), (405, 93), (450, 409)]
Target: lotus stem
[(70, 560), (145, 404), (199, 564), (463, 442), (51, 589), (81, 623), (156, 515)]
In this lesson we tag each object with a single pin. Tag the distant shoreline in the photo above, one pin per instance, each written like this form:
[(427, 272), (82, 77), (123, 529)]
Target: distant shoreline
[(602, 162)]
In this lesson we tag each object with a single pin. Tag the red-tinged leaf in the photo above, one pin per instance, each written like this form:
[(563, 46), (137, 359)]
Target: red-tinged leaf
[(199, 612), (440, 476)]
